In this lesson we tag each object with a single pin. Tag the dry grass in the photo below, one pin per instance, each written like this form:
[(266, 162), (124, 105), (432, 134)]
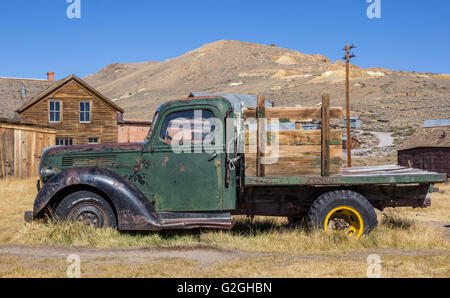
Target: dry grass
[(263, 235), (16, 196), (402, 229), (439, 212), (397, 230)]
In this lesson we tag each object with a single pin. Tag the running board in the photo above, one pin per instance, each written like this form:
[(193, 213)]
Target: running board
[(183, 220)]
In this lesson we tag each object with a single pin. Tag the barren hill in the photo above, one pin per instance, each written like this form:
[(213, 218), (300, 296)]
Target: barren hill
[(401, 100)]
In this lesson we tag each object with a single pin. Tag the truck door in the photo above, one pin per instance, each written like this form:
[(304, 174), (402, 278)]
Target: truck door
[(188, 165)]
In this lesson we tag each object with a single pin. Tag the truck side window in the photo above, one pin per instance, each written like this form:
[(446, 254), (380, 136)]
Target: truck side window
[(188, 126)]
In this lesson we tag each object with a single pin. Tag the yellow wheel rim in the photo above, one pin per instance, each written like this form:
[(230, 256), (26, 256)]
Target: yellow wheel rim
[(346, 219)]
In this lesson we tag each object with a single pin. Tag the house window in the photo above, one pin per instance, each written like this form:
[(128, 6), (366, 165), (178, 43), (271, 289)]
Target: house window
[(93, 140), (85, 112), (54, 111), (64, 141)]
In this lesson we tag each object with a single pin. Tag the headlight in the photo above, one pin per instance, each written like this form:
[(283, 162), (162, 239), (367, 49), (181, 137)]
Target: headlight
[(48, 173)]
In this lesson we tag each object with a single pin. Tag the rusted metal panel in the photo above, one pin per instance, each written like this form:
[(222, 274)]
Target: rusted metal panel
[(134, 211)]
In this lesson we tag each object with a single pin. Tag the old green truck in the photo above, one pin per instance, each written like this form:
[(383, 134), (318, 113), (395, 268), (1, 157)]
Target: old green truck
[(192, 172)]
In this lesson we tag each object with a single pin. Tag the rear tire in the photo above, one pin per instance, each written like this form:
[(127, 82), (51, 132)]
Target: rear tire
[(342, 210), (87, 207)]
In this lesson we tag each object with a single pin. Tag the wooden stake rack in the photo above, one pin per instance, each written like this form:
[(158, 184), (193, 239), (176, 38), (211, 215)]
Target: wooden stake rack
[(300, 152)]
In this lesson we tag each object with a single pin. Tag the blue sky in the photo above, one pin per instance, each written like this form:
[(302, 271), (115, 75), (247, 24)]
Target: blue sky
[(37, 35)]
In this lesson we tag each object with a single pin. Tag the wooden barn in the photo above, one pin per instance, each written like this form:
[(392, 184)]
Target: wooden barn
[(428, 148), (78, 113)]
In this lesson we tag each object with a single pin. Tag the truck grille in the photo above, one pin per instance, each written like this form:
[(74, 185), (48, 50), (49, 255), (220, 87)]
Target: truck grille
[(89, 161)]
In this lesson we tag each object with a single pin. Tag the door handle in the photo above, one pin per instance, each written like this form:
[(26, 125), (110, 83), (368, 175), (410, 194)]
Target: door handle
[(214, 155)]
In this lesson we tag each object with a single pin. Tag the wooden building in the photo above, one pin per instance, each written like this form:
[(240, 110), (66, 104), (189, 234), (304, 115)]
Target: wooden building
[(355, 122), (78, 113), (428, 148), (133, 131), (21, 147), (355, 142)]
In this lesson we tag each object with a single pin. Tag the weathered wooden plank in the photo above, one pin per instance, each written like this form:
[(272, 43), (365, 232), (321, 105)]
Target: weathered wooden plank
[(287, 171), (311, 161), (32, 162), (293, 151), (17, 147), (296, 137), (298, 160), (325, 136), (26, 128), (21, 150), (2, 162), (261, 134), (295, 113), (24, 154), (8, 151)]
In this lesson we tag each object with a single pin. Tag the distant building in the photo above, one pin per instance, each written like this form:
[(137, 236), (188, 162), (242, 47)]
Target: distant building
[(428, 148), (309, 125), (355, 122), (133, 131), (355, 143), (436, 123)]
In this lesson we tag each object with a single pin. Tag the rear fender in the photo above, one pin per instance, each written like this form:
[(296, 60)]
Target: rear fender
[(133, 209)]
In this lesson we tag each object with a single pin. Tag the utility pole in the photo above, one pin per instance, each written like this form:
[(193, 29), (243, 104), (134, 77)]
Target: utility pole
[(347, 58)]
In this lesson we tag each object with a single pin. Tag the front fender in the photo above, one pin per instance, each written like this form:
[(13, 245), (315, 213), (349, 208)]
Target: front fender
[(134, 211)]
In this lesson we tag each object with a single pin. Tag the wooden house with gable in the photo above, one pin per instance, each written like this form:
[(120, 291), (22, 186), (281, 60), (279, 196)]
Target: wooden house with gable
[(79, 113)]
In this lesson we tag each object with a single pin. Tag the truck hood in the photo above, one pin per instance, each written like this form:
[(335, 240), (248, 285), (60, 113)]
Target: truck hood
[(51, 163), (94, 148)]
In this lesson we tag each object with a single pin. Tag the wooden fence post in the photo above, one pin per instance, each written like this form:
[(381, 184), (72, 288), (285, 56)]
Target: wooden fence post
[(261, 134), (325, 164)]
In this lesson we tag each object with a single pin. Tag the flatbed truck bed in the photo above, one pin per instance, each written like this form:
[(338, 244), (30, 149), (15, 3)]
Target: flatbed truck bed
[(385, 174)]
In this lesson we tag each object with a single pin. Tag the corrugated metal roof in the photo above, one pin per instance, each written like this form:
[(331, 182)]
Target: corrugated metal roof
[(436, 123)]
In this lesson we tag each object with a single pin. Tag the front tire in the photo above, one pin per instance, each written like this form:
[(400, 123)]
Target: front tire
[(342, 210), (86, 207)]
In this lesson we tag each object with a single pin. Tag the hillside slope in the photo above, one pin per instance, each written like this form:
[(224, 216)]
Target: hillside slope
[(402, 100)]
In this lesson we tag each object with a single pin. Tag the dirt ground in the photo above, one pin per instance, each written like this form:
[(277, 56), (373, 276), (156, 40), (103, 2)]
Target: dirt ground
[(24, 261)]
